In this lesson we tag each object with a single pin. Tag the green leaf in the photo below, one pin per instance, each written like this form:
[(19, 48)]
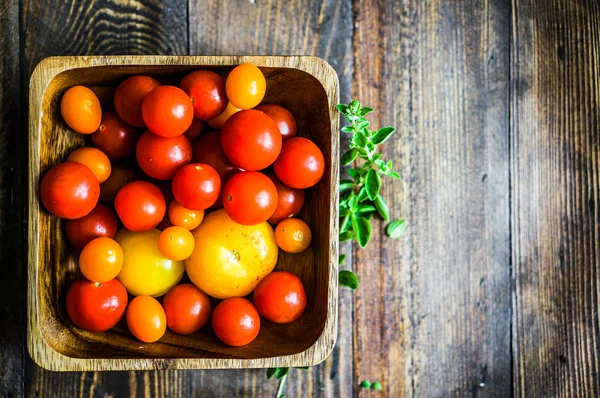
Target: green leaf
[(377, 386), (348, 157), (354, 106), (373, 184), (393, 174), (352, 201), (342, 258), (362, 194), (396, 228), (382, 208), (365, 208), (348, 129), (370, 146), (383, 134), (271, 372), (345, 236), (344, 212), (380, 163), (281, 396), (365, 384), (368, 215), (362, 152), (348, 279), (377, 156), (346, 184), (362, 228), (342, 108), (346, 225), (281, 372), (360, 139), (354, 173), (363, 125), (389, 165), (365, 111)]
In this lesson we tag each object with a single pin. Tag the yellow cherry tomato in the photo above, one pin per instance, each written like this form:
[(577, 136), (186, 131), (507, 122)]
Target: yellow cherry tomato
[(293, 235), (176, 243), (182, 217), (145, 270), (245, 86), (219, 121), (230, 259), (81, 109)]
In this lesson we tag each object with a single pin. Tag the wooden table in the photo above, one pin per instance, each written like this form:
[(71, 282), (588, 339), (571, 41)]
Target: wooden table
[(494, 289)]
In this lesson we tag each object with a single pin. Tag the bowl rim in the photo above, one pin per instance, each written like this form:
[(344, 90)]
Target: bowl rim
[(39, 350)]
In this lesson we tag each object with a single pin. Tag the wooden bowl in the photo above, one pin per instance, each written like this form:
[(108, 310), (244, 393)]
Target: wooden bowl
[(308, 87)]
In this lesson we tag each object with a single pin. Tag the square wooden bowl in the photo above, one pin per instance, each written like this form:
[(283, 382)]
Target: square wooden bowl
[(308, 87)]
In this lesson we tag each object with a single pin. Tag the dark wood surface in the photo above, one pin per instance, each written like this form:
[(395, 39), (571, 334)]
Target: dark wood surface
[(493, 291)]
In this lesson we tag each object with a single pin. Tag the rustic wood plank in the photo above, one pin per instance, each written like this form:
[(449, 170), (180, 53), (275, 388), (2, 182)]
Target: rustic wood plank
[(555, 106), (432, 315), (322, 28), (98, 27), (12, 199)]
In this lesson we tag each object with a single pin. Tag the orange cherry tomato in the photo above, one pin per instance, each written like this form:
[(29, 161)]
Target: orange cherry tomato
[(219, 121), (236, 321), (301, 163), (168, 111), (161, 157), (101, 260), (176, 243), (129, 97), (196, 186), (289, 201), (146, 319), (293, 235), (187, 309), (93, 158), (114, 137), (70, 190), (195, 130), (280, 297), (246, 86), (119, 177), (207, 90), (182, 217), (282, 117), (99, 222), (140, 205), (80, 108)]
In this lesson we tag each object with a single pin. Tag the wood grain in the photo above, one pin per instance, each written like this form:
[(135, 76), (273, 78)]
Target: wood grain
[(12, 327), (555, 220)]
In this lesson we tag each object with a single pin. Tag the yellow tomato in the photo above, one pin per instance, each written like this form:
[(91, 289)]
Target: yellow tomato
[(145, 271), (229, 259)]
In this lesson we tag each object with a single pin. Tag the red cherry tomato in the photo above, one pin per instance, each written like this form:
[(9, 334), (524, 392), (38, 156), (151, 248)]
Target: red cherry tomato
[(119, 177), (196, 186), (140, 205), (280, 297), (207, 90), (251, 140), (301, 163), (96, 307), (249, 198), (161, 157), (114, 137), (208, 150), (70, 190), (195, 130), (236, 321), (284, 119), (100, 222), (187, 309), (289, 201), (129, 97), (168, 111)]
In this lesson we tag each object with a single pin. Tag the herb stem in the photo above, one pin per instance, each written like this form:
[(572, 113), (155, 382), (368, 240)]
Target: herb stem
[(281, 385)]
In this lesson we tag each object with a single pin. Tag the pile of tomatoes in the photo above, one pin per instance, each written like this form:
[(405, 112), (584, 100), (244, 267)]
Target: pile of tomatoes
[(187, 201)]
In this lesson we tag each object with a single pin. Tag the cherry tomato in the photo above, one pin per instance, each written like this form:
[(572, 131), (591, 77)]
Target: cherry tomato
[(195, 130), (301, 163), (129, 97), (119, 177), (146, 319), (99, 222), (219, 121), (70, 190), (236, 321), (207, 90), (196, 186), (140, 206), (81, 109), (161, 157), (101, 260), (246, 86), (250, 198), (93, 158), (293, 235), (289, 201), (251, 140), (282, 117), (280, 297), (114, 137), (182, 217), (168, 111), (94, 306), (208, 150), (187, 309), (176, 243)]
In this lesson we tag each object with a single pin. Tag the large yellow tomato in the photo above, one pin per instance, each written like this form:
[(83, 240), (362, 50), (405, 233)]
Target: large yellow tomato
[(145, 271), (230, 259)]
